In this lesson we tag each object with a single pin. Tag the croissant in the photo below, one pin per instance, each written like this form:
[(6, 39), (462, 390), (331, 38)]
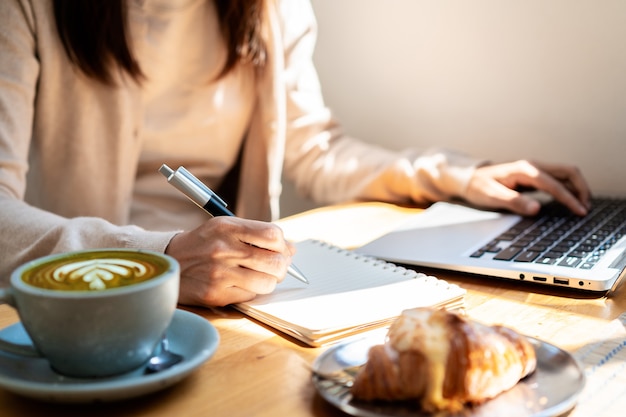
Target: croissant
[(443, 361)]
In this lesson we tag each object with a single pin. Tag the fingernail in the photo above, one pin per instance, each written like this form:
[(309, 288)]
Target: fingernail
[(532, 207)]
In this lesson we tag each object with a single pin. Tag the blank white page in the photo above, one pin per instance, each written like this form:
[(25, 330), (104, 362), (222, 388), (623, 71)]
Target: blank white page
[(346, 290)]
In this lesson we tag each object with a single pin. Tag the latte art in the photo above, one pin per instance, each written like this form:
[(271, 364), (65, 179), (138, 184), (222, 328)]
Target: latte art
[(96, 272)]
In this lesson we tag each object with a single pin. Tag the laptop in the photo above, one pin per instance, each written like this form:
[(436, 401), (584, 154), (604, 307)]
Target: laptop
[(554, 248)]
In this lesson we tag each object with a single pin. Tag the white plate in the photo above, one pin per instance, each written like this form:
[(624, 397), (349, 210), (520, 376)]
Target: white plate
[(551, 390), (189, 334)]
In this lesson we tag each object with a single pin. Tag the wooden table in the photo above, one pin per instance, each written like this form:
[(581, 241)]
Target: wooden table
[(256, 372)]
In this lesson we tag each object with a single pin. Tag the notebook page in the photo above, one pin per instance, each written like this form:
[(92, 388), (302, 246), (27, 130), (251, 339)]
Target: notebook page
[(347, 290)]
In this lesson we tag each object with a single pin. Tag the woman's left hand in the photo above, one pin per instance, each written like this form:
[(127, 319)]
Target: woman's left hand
[(496, 186)]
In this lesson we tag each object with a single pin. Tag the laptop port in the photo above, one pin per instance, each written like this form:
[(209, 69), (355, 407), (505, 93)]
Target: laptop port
[(561, 281), (542, 279)]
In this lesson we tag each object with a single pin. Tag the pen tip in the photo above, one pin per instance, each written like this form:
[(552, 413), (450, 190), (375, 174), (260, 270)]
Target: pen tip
[(296, 273)]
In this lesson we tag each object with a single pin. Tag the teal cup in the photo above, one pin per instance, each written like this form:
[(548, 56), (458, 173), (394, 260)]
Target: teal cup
[(94, 313)]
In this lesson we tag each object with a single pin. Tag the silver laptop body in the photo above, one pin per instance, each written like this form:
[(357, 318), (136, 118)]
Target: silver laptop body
[(453, 237)]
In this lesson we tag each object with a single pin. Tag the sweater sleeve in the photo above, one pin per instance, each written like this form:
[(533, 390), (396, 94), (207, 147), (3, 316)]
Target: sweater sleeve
[(327, 165), (28, 233)]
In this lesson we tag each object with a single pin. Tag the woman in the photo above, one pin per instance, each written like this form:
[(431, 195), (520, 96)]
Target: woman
[(95, 96)]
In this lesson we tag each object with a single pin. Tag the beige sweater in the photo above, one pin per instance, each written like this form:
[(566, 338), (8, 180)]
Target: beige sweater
[(69, 146)]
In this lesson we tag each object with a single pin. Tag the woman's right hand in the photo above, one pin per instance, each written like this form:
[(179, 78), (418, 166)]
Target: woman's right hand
[(229, 260)]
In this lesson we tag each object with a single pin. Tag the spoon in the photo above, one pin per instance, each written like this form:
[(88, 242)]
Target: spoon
[(164, 359)]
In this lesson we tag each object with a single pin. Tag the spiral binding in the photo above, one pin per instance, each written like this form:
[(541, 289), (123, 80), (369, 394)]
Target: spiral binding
[(386, 265)]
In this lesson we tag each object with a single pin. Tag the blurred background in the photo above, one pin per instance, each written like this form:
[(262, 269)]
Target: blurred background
[(500, 79)]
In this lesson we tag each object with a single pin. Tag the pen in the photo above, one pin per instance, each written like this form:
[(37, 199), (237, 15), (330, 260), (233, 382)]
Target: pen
[(206, 199)]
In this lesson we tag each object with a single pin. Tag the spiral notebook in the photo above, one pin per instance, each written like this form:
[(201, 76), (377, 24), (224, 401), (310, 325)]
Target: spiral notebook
[(348, 293)]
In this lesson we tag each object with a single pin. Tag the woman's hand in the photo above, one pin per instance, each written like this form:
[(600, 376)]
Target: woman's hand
[(229, 260), (496, 186)]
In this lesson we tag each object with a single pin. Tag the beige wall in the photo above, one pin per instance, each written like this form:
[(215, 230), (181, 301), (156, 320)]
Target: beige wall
[(502, 79)]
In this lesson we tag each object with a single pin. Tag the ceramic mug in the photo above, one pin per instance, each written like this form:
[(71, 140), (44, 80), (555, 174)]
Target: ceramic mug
[(94, 313)]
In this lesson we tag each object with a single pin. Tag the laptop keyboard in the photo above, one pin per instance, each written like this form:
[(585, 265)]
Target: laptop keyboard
[(556, 236)]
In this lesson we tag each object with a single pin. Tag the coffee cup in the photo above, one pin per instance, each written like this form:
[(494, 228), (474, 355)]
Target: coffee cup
[(94, 313)]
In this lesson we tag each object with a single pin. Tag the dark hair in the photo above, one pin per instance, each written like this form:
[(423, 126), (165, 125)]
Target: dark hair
[(94, 34)]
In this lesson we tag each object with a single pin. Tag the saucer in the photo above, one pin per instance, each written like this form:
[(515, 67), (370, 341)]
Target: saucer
[(189, 335)]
